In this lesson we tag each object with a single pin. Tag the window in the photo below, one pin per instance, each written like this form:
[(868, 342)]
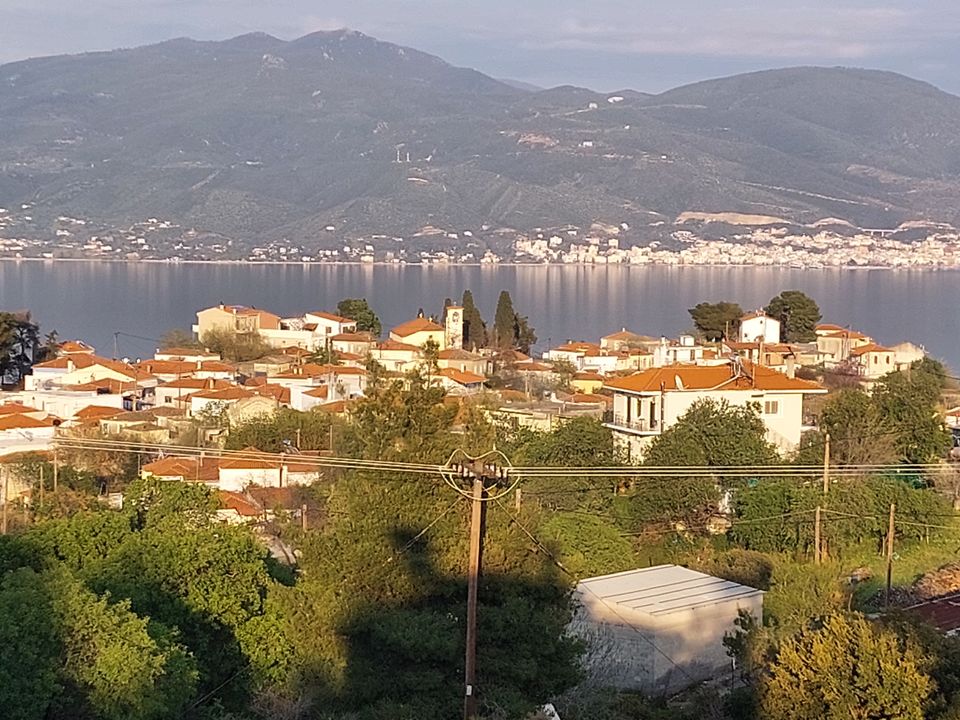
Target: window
[(771, 407)]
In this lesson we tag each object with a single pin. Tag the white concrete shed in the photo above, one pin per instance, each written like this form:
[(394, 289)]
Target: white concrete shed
[(659, 628)]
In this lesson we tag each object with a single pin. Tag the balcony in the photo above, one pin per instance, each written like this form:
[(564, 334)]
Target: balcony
[(637, 425)]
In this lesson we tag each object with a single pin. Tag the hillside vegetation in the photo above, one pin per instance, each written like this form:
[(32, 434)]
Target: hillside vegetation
[(256, 137)]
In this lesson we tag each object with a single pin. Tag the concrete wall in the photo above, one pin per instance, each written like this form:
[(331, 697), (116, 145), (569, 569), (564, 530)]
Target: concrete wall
[(631, 650)]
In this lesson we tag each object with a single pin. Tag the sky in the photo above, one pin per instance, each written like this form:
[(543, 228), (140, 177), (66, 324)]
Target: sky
[(648, 45)]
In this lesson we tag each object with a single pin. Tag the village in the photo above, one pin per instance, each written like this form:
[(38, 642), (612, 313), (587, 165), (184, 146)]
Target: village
[(638, 386)]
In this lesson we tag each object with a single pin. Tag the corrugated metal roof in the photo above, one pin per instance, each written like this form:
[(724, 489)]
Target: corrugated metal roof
[(664, 589)]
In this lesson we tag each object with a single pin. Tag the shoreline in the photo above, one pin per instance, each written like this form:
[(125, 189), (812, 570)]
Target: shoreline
[(382, 264)]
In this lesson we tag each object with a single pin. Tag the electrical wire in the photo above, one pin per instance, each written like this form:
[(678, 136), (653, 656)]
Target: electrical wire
[(410, 543), (577, 581)]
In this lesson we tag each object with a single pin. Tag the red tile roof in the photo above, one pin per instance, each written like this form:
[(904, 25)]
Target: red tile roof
[(68, 347), (191, 383), (16, 408), (24, 422), (229, 393), (217, 366), (356, 337), (414, 326), (460, 377), (97, 412), (457, 354), (239, 503), (331, 317), (714, 377), (871, 348)]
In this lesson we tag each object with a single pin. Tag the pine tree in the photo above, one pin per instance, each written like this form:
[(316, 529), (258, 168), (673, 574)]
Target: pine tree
[(504, 322)]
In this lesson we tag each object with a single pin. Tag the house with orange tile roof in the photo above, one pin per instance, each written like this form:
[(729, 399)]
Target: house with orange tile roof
[(464, 361), (66, 402), (625, 340), (781, 357), (397, 356), (74, 347), (836, 347), (458, 382), (207, 400), (167, 394), (873, 361), (355, 343), (418, 331), (234, 318), (329, 324), (649, 402), (22, 432)]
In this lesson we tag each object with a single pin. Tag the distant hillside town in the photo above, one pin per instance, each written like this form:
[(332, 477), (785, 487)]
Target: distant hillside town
[(712, 239)]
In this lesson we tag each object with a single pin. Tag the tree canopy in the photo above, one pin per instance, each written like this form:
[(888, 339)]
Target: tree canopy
[(798, 314), (846, 668), (510, 329), (359, 310), (20, 346), (233, 346), (474, 328), (716, 321)]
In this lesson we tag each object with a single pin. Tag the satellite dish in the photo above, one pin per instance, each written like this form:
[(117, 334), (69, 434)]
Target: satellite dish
[(678, 382)]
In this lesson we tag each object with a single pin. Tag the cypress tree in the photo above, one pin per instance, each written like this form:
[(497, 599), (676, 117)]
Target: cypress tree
[(474, 328), (504, 322)]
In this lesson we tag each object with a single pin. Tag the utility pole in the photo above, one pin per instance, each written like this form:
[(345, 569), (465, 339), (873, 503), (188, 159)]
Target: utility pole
[(56, 469), (6, 495), (41, 487), (482, 474), (817, 551), (890, 533), (826, 463), (303, 517), (477, 518)]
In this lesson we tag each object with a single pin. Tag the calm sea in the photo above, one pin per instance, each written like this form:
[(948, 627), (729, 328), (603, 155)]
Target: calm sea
[(93, 300)]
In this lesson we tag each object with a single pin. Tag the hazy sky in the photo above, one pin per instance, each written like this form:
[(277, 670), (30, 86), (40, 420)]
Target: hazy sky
[(604, 44)]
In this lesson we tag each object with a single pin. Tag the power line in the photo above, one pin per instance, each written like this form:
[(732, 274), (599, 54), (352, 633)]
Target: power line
[(556, 561)]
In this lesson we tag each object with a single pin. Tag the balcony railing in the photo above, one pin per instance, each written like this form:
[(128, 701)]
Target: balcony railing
[(638, 424)]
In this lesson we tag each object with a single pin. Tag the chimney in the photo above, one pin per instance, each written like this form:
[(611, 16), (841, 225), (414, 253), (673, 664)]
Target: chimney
[(791, 366)]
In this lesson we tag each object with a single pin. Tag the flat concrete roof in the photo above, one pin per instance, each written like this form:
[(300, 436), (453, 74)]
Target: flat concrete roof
[(664, 589)]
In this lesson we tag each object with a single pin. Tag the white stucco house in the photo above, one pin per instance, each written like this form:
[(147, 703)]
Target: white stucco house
[(649, 402), (759, 327)]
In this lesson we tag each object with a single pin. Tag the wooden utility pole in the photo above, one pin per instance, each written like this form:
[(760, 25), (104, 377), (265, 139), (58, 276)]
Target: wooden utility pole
[(518, 499), (303, 517), (826, 463), (477, 518), (42, 483), (6, 495), (482, 475), (890, 533), (817, 549), (56, 469)]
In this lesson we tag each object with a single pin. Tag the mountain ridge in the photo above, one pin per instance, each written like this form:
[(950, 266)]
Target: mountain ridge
[(257, 138)]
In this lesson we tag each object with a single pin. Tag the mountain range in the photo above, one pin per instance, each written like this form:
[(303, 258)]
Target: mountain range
[(260, 138)]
